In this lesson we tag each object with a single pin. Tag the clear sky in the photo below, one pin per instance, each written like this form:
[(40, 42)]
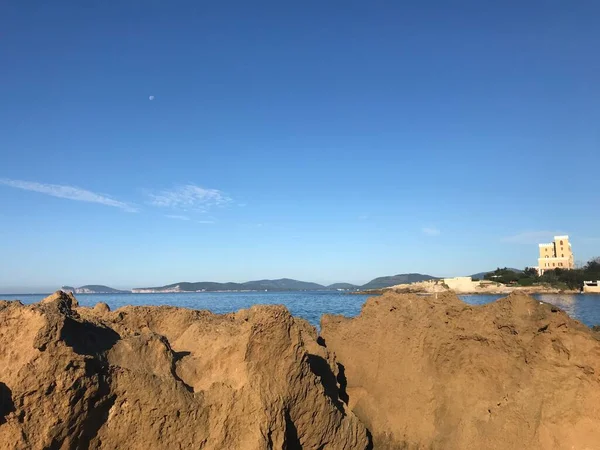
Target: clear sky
[(150, 142)]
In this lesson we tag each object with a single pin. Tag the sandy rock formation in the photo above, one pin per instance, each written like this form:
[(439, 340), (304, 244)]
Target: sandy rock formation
[(62, 296), (463, 285), (101, 308), (427, 373), (166, 378)]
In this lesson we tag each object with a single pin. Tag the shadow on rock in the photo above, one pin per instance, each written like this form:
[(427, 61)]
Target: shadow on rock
[(100, 404), (343, 382), (6, 403), (178, 356), (320, 368), (292, 442), (86, 338)]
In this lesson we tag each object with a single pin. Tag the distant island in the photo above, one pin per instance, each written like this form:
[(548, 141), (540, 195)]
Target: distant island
[(283, 284), (93, 289)]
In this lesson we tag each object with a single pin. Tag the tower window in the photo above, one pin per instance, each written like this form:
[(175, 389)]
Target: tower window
[(561, 243)]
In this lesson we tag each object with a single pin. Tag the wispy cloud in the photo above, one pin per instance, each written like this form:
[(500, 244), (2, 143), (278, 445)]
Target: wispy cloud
[(363, 217), (68, 192), (532, 237), (177, 217), (431, 231), (205, 221), (189, 197)]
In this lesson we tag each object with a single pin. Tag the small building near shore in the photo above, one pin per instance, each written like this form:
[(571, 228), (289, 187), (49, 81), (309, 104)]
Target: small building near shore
[(591, 287), (556, 255), (458, 283)]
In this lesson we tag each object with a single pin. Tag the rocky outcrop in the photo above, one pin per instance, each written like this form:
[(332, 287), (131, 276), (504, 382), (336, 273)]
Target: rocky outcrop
[(164, 378), (417, 372), (465, 285), (436, 373)]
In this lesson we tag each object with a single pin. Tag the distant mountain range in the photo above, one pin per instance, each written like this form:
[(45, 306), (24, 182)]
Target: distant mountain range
[(283, 284)]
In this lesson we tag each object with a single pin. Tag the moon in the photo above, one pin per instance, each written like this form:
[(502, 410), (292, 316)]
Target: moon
[(151, 98)]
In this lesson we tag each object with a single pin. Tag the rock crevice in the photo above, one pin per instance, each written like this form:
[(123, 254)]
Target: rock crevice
[(162, 378)]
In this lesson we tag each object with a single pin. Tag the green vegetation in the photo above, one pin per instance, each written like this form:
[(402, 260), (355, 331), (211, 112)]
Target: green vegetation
[(558, 278), (405, 278), (286, 284), (101, 289)]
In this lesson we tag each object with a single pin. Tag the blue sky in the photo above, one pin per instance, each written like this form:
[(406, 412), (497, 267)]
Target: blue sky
[(150, 142)]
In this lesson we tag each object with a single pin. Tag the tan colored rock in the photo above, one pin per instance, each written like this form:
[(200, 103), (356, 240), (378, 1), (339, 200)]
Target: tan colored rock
[(464, 285), (63, 298), (427, 373), (164, 378), (101, 308)]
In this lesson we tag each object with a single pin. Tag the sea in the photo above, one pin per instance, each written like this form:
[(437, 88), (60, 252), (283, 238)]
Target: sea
[(310, 305)]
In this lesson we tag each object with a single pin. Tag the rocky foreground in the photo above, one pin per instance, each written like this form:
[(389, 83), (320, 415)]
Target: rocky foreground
[(410, 372), (436, 373)]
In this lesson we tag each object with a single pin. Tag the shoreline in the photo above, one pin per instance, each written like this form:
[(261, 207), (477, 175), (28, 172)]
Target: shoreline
[(526, 290)]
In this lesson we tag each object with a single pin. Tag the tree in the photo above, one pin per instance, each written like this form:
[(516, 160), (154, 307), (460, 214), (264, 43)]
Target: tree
[(593, 265)]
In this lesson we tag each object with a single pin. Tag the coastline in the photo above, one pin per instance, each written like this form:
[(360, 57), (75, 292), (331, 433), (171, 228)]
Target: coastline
[(475, 288)]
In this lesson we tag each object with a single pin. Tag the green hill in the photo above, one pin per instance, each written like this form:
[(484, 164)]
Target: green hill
[(287, 284), (383, 282), (98, 289), (283, 284)]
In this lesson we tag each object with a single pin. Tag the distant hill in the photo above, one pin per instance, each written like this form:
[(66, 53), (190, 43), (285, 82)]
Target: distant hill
[(98, 289), (283, 284), (480, 275), (93, 289), (383, 282), (343, 286)]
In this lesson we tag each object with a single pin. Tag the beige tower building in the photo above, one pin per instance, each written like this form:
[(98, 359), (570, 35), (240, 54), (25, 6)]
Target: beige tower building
[(556, 255)]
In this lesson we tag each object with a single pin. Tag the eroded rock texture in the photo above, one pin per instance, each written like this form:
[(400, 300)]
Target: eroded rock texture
[(167, 378), (436, 373)]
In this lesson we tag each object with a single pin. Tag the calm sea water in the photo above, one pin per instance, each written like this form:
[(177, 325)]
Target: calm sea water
[(309, 305), (585, 308)]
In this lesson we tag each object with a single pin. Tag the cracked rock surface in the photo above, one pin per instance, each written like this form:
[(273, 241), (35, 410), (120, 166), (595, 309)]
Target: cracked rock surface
[(436, 373), (167, 378), (409, 372)]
